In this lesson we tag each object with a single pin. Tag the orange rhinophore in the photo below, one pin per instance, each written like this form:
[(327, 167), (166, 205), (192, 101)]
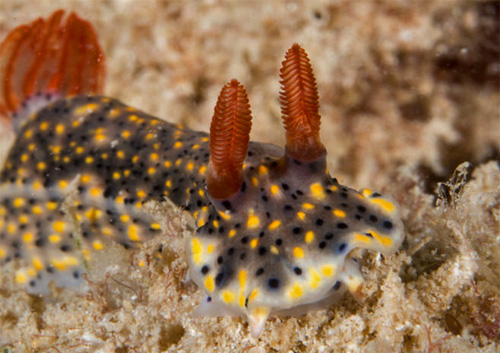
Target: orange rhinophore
[(300, 104), (229, 138), (50, 56)]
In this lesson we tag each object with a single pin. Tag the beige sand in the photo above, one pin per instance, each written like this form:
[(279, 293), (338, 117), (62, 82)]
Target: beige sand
[(409, 90)]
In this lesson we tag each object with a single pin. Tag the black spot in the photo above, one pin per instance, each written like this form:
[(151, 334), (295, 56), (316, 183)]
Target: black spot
[(230, 251), (361, 208), (243, 187), (342, 225), (288, 208), (261, 234), (219, 279), (259, 272), (285, 186), (242, 256), (336, 286), (262, 250), (273, 283), (358, 217), (264, 198), (227, 205), (373, 218), (297, 230), (328, 236), (342, 247), (322, 245), (221, 230), (344, 195), (327, 208), (220, 260), (32, 283), (76, 274), (297, 270), (299, 192), (205, 269), (376, 194), (39, 242), (319, 222), (387, 224), (244, 240), (278, 242), (209, 299), (65, 248)]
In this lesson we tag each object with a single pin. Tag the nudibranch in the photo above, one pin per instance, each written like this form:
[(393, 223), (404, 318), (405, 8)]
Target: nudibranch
[(274, 230)]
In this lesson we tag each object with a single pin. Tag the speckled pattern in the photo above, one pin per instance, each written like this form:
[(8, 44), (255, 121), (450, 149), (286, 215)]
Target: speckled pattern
[(280, 242)]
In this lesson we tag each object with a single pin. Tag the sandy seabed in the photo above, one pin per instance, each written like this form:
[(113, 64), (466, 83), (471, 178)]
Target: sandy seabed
[(409, 92)]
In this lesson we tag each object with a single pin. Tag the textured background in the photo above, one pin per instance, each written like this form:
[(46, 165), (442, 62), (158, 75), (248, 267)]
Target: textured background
[(409, 90)]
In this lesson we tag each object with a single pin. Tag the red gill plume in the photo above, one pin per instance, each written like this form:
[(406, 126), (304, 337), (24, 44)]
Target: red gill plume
[(229, 138), (299, 106), (50, 56)]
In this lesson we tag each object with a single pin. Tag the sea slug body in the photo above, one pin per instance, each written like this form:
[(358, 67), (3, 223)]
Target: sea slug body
[(274, 230)]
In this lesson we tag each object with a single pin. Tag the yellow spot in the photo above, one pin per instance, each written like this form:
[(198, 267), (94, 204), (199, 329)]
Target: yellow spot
[(59, 129), (18, 202), (298, 252), (116, 175), (263, 170), (366, 192), (141, 194), (360, 238), (66, 159), (28, 237), (2, 252), (307, 206), (215, 223), (275, 224), (23, 219), (168, 183), (41, 166), (232, 233), (11, 228), (97, 245), (85, 178), (227, 297), (255, 181), (386, 205), (155, 226), (202, 194), (197, 250), (178, 144), (100, 137), (36, 210), (241, 300), (86, 254), (119, 199), (242, 278), (202, 169), (209, 283), (120, 154), (253, 221), (149, 136), (124, 218), (296, 291), (339, 213), (62, 184), (54, 238), (195, 147), (151, 170), (333, 188), (79, 150), (204, 139), (132, 233), (301, 215), (167, 164), (154, 156), (135, 159), (126, 134), (86, 109), (133, 117), (107, 231), (95, 191), (178, 162), (274, 250), (274, 189), (37, 263), (104, 156), (317, 191), (28, 133), (315, 278), (37, 186), (89, 160), (56, 149), (31, 147), (309, 237), (59, 226), (253, 294), (328, 270), (254, 243), (210, 249), (24, 158), (190, 166), (44, 126), (385, 241), (51, 205), (21, 277)]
